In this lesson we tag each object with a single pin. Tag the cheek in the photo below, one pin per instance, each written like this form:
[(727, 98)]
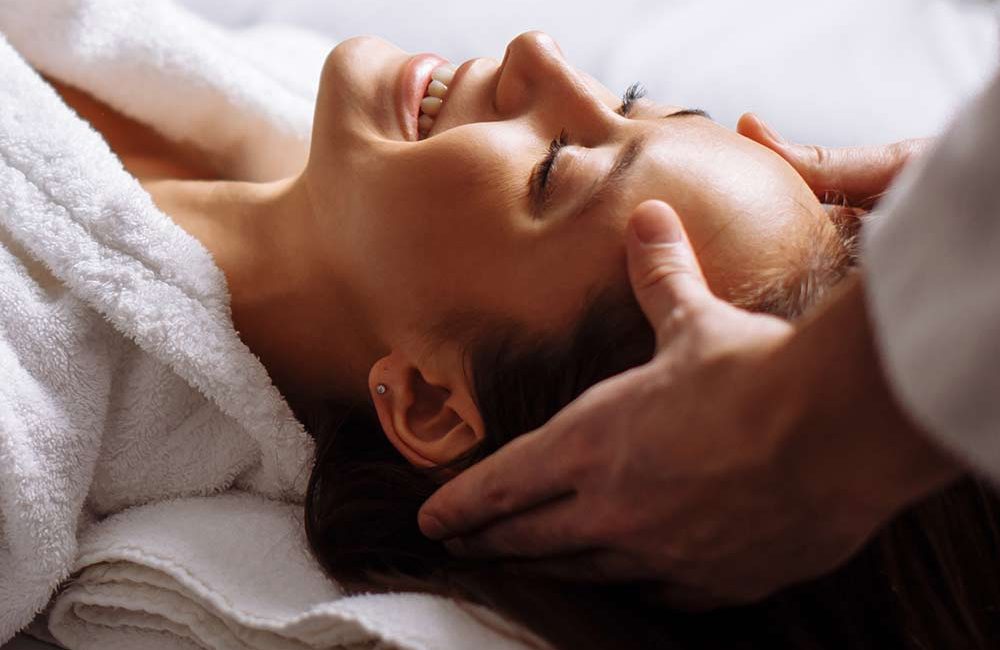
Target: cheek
[(442, 204), (441, 230), (457, 189)]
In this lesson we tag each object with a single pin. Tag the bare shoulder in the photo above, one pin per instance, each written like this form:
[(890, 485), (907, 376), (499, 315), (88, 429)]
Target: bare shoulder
[(144, 152)]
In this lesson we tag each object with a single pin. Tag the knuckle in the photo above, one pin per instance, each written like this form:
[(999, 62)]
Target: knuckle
[(682, 313), (660, 274), (689, 317), (817, 155), (498, 496)]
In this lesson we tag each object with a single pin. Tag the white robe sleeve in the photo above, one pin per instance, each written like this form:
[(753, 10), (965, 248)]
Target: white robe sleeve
[(932, 272)]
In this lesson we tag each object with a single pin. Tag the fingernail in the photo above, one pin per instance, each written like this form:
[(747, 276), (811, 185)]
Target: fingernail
[(431, 526), (774, 135), (654, 223)]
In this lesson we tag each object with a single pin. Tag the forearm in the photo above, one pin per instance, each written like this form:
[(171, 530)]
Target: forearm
[(847, 440)]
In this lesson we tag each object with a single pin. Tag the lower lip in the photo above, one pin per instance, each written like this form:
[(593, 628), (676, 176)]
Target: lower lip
[(413, 81)]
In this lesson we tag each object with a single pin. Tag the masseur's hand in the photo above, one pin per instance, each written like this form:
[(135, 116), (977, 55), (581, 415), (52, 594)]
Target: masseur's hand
[(854, 176), (695, 469)]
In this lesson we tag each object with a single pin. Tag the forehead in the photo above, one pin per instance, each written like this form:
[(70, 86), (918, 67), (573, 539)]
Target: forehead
[(744, 207)]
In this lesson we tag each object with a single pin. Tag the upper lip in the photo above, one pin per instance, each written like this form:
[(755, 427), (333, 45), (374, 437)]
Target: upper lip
[(460, 72), (411, 86)]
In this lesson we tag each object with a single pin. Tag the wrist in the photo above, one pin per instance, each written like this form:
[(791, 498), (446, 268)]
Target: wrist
[(852, 449)]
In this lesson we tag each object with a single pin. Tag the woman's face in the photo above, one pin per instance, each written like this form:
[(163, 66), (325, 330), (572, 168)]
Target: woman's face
[(451, 222)]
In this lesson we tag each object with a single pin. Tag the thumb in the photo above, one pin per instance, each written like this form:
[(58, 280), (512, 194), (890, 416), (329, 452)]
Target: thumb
[(662, 268)]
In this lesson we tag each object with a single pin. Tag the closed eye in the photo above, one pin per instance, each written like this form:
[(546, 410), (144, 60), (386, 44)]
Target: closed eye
[(540, 186), (539, 183)]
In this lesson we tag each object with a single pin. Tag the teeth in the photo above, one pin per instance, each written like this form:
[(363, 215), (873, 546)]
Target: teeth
[(444, 74), (437, 89), (431, 105), (434, 97)]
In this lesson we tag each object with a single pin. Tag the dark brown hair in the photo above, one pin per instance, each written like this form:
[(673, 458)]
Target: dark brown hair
[(929, 580)]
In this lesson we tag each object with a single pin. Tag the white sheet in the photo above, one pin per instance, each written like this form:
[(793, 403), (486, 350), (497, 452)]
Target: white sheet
[(827, 71)]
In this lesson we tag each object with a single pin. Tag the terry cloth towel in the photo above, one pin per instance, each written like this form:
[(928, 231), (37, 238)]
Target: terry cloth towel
[(124, 381), (123, 378), (186, 586)]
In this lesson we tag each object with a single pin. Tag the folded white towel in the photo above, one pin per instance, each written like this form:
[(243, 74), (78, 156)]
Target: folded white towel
[(232, 572), (124, 382)]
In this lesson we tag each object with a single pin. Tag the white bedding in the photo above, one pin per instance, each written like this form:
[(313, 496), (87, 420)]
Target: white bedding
[(830, 71)]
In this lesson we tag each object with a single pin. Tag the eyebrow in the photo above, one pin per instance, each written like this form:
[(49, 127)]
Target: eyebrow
[(688, 112), (616, 176)]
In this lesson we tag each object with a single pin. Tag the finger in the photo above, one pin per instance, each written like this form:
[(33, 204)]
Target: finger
[(556, 527), (858, 174), (522, 474), (589, 566), (663, 270)]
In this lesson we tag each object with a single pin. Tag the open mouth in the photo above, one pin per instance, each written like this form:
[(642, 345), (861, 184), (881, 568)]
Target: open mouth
[(434, 96), (419, 73)]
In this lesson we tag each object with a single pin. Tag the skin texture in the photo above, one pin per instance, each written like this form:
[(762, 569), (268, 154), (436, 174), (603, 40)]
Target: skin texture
[(448, 227), (759, 498), (338, 275), (402, 234)]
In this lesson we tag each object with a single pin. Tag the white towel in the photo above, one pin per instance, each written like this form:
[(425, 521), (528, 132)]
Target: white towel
[(124, 382), (190, 580)]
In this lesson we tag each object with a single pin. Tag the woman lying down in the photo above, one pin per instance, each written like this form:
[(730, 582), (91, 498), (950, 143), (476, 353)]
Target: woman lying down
[(447, 271)]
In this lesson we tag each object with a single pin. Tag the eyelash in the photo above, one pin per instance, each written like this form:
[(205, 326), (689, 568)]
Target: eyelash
[(634, 92), (540, 176)]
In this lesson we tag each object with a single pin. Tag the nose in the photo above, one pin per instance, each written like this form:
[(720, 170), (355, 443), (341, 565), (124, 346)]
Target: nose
[(534, 77)]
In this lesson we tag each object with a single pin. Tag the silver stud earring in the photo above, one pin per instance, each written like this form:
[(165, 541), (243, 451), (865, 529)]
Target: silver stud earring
[(381, 389)]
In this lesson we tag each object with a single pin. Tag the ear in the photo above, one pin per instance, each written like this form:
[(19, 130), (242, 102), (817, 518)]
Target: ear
[(427, 413)]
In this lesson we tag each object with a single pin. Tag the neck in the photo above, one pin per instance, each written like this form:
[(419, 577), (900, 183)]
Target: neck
[(290, 304)]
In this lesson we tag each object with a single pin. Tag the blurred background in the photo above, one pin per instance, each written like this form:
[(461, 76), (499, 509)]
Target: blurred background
[(833, 72)]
